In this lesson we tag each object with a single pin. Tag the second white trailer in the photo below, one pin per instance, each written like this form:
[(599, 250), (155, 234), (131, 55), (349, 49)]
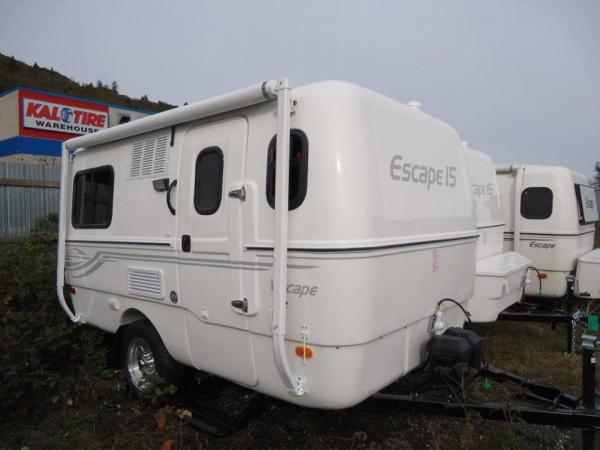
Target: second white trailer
[(500, 275)]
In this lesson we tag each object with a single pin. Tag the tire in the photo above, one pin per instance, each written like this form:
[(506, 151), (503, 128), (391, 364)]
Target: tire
[(143, 354)]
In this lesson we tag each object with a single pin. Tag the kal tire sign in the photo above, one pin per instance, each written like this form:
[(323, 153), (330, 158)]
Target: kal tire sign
[(62, 118)]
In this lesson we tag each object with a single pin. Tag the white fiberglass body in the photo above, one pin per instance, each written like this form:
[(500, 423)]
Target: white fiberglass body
[(382, 232), (500, 276), (547, 221)]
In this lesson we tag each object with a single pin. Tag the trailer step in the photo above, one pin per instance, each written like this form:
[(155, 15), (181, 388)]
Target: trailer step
[(217, 422)]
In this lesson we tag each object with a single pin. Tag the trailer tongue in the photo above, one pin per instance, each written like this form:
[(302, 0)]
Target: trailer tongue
[(444, 393)]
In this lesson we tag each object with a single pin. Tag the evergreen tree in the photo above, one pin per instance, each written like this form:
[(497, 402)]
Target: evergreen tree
[(114, 87), (12, 64)]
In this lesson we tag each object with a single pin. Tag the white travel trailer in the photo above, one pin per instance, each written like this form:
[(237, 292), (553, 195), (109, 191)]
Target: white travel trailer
[(555, 210), (500, 276), (174, 235)]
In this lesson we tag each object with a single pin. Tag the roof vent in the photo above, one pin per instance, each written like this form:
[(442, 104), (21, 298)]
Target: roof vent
[(149, 158), (415, 105)]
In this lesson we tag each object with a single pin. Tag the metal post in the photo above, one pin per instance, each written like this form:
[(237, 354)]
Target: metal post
[(572, 323), (570, 297), (296, 385), (517, 210), (588, 387), (62, 234)]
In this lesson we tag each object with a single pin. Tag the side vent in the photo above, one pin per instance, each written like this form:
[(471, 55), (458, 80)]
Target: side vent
[(149, 158), (145, 282)]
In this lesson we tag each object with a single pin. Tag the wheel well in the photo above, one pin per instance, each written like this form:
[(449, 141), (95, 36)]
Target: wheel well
[(130, 316), (127, 318)]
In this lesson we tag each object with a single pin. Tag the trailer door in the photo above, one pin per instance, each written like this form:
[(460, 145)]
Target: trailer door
[(209, 224)]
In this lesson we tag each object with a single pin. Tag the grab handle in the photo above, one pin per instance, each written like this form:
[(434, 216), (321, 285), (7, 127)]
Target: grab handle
[(169, 205)]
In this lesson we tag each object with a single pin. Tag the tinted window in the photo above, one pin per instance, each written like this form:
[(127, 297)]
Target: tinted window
[(93, 198), (209, 181), (536, 203), (587, 203), (298, 169)]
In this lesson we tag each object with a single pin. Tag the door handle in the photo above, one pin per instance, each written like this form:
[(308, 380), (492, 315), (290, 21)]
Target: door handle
[(186, 243), (169, 205), (238, 193), (240, 304)]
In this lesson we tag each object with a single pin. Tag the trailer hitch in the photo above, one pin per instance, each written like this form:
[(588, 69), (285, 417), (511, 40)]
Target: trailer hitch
[(570, 316), (536, 403)]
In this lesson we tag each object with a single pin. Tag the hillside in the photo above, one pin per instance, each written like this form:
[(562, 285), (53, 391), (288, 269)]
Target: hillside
[(17, 73)]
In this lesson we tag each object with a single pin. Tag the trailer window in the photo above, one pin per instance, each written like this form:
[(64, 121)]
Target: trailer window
[(298, 169), (536, 203), (93, 198), (587, 203), (209, 181)]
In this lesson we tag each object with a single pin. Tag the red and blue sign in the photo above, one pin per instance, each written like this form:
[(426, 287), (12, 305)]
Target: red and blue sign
[(49, 117)]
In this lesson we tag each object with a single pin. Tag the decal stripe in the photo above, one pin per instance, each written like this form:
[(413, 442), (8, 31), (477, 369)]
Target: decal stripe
[(364, 249), (510, 233), (89, 241), (491, 226), (80, 265)]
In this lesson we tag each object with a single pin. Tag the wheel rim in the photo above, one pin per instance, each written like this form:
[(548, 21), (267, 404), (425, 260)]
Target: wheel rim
[(140, 363)]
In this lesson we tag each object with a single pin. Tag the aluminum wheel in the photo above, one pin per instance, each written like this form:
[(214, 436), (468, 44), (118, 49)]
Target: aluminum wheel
[(140, 363)]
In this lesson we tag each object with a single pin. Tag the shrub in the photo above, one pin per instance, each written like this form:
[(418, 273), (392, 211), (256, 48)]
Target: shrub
[(40, 351)]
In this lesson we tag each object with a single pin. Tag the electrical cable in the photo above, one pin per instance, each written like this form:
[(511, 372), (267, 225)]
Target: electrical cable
[(538, 275), (466, 313)]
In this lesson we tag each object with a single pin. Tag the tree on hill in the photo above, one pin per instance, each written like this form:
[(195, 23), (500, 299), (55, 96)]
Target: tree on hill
[(17, 73)]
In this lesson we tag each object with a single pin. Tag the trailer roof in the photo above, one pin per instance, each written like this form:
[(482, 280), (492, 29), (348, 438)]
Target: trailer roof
[(556, 170)]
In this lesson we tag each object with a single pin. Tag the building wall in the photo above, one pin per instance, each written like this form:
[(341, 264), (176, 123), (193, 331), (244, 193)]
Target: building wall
[(9, 115), (30, 146), (31, 159), (29, 192), (115, 114)]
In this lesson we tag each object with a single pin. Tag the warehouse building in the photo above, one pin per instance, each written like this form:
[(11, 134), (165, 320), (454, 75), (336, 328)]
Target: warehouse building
[(34, 123)]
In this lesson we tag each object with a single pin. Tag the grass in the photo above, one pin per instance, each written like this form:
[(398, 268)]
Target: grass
[(101, 416)]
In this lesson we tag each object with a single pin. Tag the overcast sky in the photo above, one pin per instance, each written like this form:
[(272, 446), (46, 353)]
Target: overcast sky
[(518, 79)]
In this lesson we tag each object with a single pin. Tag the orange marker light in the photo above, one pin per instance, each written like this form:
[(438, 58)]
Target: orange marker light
[(304, 352), (543, 275)]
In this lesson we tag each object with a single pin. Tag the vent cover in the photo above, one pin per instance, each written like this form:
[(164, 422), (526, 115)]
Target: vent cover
[(145, 282), (149, 158)]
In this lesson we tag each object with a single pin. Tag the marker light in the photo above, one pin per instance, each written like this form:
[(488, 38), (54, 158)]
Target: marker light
[(304, 352), (161, 185), (542, 275), (73, 290)]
